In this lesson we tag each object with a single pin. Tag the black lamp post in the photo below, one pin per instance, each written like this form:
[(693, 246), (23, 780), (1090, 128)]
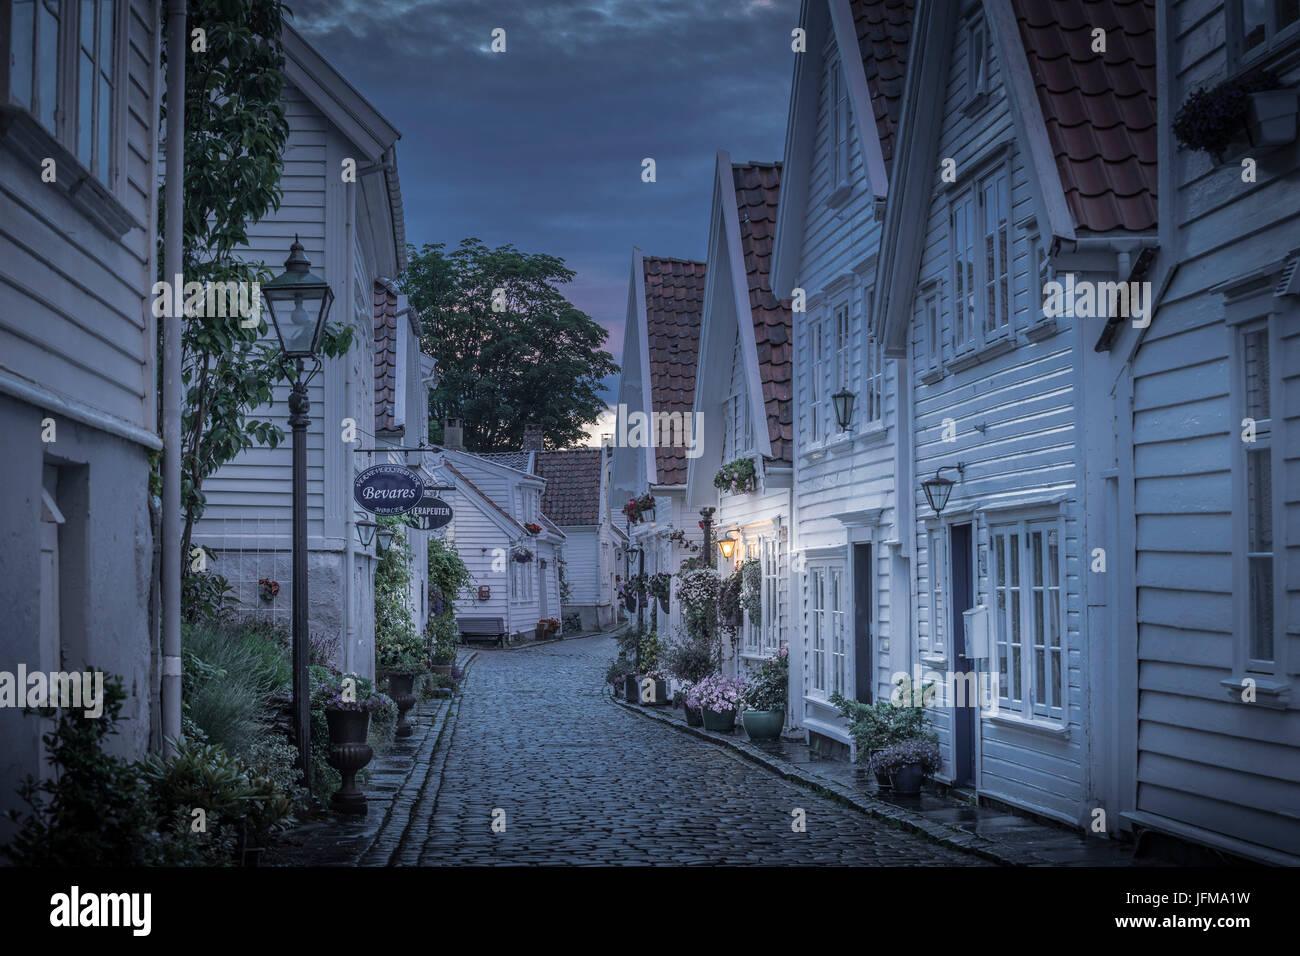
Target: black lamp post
[(640, 597), (707, 515), (299, 303), (843, 402), (938, 489)]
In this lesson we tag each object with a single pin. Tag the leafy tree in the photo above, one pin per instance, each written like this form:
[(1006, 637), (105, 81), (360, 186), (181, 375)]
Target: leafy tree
[(532, 358), (235, 135)]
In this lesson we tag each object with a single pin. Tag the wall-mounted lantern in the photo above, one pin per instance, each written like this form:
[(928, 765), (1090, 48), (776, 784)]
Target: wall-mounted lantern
[(727, 545), (366, 531), (938, 489), (843, 401)]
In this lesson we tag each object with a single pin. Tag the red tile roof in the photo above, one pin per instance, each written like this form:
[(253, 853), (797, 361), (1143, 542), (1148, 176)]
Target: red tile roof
[(674, 299), (884, 30), (1100, 109), (385, 358), (758, 187), (573, 480)]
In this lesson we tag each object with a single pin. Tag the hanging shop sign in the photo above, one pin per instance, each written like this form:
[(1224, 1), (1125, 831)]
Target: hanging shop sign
[(388, 489), (432, 512)]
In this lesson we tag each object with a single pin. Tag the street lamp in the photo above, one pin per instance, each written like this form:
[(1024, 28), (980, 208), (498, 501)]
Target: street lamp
[(938, 488), (639, 591), (385, 539), (843, 401), (706, 522), (299, 303), (366, 531), (727, 545)]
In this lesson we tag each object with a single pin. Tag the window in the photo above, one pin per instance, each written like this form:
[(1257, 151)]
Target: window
[(736, 437), (1039, 272), (1028, 617), (816, 413), (938, 571), (873, 383), (933, 330), (63, 71), (1261, 572), (835, 615), (843, 348), (771, 567), (1260, 26), (817, 615), (977, 63), (837, 98), (981, 270)]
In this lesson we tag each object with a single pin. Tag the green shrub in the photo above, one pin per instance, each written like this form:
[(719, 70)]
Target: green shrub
[(875, 727), (398, 648), (229, 674)]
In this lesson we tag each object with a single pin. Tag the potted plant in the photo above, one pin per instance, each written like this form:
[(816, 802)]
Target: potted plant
[(545, 627), (637, 509), (522, 555), (532, 527), (907, 763), (765, 698), (736, 477), (1246, 111), (442, 659), (348, 701), (617, 674), (654, 694), (879, 726), (718, 697)]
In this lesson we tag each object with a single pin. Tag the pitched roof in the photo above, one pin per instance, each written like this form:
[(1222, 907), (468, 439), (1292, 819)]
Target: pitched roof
[(758, 187), (884, 29), (1100, 110), (386, 358), (461, 477), (573, 483), (674, 300), (518, 460)]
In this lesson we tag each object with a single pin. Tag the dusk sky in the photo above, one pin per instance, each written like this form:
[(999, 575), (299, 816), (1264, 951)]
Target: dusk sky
[(541, 146)]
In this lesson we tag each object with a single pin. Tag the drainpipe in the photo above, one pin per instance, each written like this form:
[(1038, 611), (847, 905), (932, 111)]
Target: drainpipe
[(173, 251), (349, 513)]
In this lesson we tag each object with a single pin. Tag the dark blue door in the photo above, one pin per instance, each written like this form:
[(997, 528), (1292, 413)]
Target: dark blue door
[(963, 598)]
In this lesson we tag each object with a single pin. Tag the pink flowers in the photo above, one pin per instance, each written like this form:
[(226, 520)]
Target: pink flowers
[(718, 693)]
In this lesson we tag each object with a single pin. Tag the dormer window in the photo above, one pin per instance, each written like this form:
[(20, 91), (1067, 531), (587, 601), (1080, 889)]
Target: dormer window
[(837, 101)]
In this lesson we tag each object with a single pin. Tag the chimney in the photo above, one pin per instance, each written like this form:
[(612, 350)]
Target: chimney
[(532, 437), (453, 436)]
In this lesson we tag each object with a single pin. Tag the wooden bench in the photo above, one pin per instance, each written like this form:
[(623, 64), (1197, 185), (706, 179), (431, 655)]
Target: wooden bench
[(482, 629)]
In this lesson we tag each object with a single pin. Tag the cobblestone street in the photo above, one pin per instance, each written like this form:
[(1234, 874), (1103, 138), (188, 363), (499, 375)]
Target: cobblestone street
[(581, 781)]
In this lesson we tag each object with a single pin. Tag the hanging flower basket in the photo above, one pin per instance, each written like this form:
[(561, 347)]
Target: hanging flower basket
[(522, 555), (641, 508), (737, 477)]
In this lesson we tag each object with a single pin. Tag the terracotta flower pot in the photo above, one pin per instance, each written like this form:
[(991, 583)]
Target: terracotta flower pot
[(349, 752)]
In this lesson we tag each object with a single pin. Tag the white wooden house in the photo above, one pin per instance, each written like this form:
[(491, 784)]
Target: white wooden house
[(502, 494), (1204, 725), (77, 357), (851, 590), (1040, 165), (354, 235), (742, 390), (577, 500), (660, 355)]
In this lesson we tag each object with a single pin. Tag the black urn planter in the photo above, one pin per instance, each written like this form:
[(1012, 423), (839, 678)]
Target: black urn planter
[(401, 688), (657, 696), (631, 690), (694, 717), (349, 752)]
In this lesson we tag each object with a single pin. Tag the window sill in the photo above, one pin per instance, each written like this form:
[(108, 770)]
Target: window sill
[(978, 356), (1043, 329), (20, 130), (930, 376), (840, 196), (841, 442), (938, 662), (1269, 691), (1061, 731)]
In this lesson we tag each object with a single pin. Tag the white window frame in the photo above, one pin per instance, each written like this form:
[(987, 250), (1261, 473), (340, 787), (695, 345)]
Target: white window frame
[(970, 331), (932, 325), (1020, 701), (825, 624), (873, 381), (1038, 272), (1267, 439), (1274, 39), (934, 640), (816, 370), (770, 555), (67, 87)]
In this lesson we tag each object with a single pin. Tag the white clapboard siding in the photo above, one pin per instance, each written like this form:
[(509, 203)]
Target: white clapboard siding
[(75, 301), (1025, 448), (582, 569), (1204, 759)]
